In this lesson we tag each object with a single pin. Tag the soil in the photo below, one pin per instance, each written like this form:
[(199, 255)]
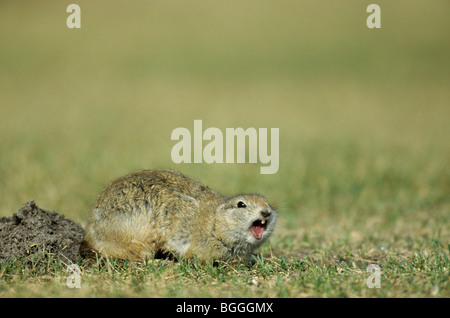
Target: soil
[(33, 233)]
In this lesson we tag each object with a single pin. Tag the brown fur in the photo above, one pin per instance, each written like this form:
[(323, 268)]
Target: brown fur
[(153, 211)]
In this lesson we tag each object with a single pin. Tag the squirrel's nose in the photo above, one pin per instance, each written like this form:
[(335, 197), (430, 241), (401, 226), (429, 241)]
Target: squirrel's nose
[(265, 214)]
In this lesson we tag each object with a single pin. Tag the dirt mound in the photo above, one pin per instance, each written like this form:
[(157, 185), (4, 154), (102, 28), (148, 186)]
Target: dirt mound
[(33, 232)]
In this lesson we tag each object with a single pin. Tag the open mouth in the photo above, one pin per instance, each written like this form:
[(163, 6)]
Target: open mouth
[(258, 227)]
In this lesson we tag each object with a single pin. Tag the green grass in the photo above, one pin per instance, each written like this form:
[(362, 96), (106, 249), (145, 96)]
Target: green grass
[(363, 118), (319, 274)]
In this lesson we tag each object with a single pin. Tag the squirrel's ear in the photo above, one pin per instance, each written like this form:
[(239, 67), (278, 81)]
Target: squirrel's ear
[(221, 207)]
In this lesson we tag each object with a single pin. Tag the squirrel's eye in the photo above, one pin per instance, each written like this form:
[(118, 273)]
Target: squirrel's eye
[(241, 204)]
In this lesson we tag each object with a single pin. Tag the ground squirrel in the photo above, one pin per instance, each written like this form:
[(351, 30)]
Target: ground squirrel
[(162, 211)]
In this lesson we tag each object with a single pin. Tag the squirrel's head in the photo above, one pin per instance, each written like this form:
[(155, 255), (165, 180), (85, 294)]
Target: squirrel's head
[(244, 222)]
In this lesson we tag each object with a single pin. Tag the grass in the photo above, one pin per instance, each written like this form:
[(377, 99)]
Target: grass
[(363, 117), (319, 274)]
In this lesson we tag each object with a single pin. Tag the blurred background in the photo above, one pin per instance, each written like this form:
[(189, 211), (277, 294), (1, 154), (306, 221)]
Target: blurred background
[(363, 113)]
